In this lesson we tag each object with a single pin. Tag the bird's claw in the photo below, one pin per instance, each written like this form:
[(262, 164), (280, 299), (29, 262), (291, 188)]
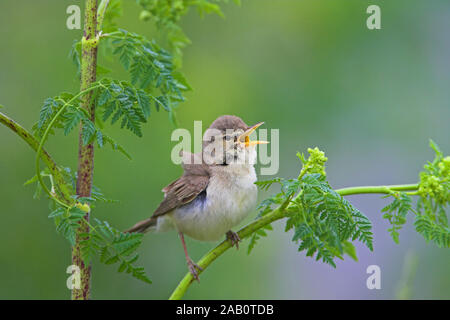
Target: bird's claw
[(194, 269), (234, 238)]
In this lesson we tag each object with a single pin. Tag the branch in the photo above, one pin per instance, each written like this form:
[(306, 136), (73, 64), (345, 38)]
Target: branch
[(377, 189), (276, 214), (63, 189)]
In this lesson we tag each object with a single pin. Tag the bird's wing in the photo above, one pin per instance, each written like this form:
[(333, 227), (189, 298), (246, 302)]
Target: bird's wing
[(185, 189)]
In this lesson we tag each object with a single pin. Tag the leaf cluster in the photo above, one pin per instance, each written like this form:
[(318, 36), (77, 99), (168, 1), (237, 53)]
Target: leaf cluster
[(431, 219), (113, 247), (67, 221), (434, 191), (119, 99), (149, 65), (324, 223), (102, 240), (396, 212), (50, 108)]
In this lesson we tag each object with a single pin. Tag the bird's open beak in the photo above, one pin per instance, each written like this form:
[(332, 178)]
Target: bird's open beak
[(245, 137)]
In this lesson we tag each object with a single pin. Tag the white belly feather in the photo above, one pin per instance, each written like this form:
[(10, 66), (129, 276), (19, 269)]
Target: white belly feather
[(229, 199)]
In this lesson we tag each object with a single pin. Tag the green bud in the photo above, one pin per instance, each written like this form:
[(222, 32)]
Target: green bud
[(178, 5), (315, 163), (145, 15), (84, 207), (444, 167)]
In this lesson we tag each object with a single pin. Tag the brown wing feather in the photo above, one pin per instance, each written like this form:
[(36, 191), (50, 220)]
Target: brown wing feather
[(185, 189), (180, 192)]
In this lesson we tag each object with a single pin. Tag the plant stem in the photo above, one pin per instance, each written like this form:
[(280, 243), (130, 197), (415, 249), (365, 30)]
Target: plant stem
[(276, 214), (377, 189), (86, 152), (64, 190)]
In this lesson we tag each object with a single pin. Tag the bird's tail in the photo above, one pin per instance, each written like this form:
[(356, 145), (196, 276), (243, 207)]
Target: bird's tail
[(143, 226)]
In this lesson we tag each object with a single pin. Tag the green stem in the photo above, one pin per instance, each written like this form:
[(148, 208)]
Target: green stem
[(377, 189), (276, 214), (64, 191)]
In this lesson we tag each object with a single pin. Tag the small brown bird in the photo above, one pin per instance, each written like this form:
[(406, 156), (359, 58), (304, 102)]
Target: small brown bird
[(216, 191)]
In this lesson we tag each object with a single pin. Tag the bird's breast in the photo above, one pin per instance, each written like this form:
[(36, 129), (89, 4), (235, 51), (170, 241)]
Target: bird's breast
[(226, 202)]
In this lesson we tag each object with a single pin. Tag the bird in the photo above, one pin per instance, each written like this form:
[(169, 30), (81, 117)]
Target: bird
[(216, 190)]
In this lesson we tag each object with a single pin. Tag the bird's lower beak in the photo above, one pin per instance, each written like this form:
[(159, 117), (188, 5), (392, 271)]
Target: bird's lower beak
[(245, 137)]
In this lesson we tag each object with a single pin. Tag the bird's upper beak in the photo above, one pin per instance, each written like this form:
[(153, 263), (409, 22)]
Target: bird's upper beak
[(245, 137)]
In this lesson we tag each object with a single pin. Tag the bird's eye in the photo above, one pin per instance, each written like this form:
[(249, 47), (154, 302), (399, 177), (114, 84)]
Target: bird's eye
[(235, 138), (227, 138)]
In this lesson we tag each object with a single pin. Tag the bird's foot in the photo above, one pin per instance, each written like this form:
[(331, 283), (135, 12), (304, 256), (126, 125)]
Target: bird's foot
[(194, 269), (234, 238)]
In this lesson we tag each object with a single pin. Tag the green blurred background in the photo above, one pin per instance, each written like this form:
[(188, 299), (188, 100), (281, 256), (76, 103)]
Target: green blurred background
[(370, 99)]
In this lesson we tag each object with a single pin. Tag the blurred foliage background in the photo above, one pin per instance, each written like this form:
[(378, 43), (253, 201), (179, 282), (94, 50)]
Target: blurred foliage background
[(370, 99)]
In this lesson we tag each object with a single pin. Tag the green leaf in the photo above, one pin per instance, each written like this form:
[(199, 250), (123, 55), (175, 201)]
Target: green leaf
[(111, 107), (127, 243), (67, 222), (88, 131), (31, 180), (99, 138), (265, 185), (104, 97), (58, 212), (144, 102), (116, 146), (74, 55), (256, 236), (46, 112), (72, 119), (113, 246), (350, 250), (139, 273)]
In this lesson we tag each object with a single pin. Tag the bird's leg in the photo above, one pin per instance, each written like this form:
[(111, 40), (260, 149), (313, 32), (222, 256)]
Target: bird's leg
[(234, 238), (192, 266)]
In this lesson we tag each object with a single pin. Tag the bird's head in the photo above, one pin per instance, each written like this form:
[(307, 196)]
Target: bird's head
[(227, 142)]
